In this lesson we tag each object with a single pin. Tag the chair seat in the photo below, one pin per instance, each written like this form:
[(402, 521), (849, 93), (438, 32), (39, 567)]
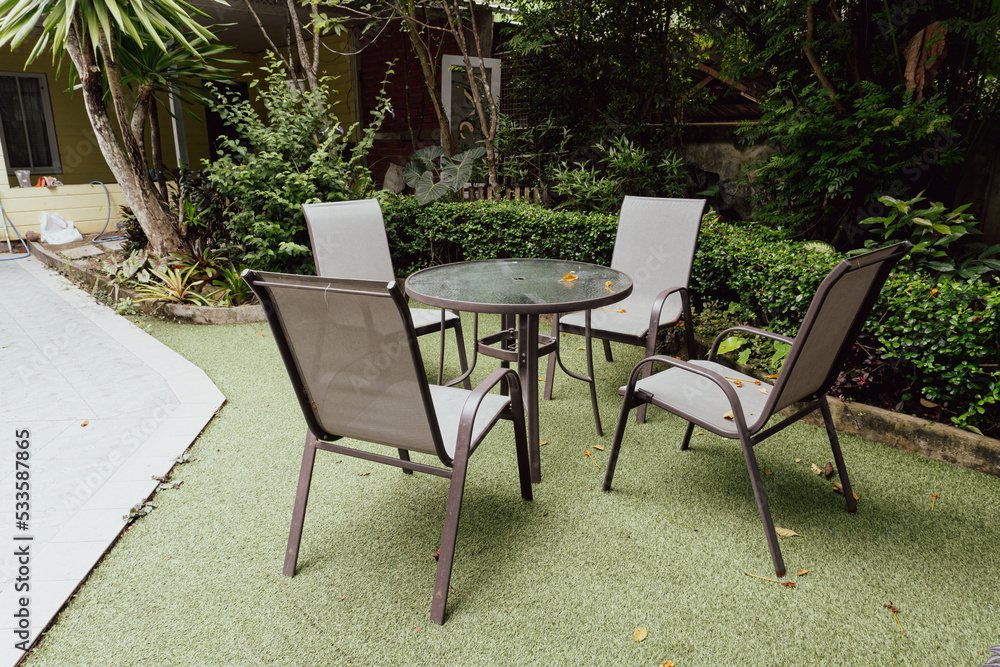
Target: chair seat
[(423, 317), (633, 321), (703, 399), (448, 404)]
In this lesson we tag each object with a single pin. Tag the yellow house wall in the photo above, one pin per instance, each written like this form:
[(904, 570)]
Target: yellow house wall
[(82, 162)]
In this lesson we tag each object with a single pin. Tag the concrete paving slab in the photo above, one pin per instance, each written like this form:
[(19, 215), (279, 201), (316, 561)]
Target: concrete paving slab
[(105, 407)]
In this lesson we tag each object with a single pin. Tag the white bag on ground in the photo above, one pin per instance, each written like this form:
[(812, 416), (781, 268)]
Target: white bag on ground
[(57, 230)]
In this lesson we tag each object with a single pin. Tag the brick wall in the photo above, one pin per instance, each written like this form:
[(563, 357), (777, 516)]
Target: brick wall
[(408, 94)]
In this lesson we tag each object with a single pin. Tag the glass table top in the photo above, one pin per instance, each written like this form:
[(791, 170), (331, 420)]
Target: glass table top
[(519, 286)]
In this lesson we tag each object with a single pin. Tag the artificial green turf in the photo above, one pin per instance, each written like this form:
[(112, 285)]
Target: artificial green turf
[(565, 579)]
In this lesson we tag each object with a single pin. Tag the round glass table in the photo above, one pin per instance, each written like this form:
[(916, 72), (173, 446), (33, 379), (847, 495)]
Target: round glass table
[(525, 289)]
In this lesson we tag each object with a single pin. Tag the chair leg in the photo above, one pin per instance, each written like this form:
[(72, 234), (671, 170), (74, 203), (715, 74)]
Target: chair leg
[(627, 405), (521, 447), (592, 379), (640, 414), (299, 510), (550, 369), (838, 456), (762, 506), (463, 361), (607, 350), (449, 535), (404, 455), (687, 437)]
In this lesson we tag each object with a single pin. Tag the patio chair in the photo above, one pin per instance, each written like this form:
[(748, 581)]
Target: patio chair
[(736, 406), (654, 246), (349, 241), (351, 352)]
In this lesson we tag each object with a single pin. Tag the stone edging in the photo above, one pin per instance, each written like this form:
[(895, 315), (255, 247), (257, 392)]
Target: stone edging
[(185, 313), (912, 434)]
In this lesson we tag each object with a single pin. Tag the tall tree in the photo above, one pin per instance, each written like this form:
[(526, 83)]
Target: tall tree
[(90, 32)]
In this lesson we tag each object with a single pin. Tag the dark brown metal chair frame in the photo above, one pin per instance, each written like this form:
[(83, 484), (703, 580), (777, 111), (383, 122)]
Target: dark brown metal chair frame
[(454, 466), (816, 356)]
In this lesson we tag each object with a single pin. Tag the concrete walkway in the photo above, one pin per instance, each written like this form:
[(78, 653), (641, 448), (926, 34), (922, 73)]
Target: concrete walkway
[(103, 408)]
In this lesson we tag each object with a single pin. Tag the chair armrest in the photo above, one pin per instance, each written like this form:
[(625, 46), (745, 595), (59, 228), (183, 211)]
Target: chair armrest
[(475, 399), (751, 330), (723, 384), (657, 310)]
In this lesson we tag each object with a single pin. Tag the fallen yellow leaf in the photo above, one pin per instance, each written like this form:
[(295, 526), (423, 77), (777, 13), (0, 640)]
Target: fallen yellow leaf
[(620, 310), (803, 573), (569, 276), (798, 460), (762, 390), (543, 442), (85, 422), (581, 348), (640, 634), (599, 448), (607, 286), (668, 663), (729, 415), (768, 472), (815, 468), (772, 377), (785, 532)]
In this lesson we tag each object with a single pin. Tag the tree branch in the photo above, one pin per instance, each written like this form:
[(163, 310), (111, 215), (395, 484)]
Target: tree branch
[(814, 60)]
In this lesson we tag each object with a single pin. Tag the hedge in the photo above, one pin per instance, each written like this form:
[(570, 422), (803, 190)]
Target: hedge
[(926, 339)]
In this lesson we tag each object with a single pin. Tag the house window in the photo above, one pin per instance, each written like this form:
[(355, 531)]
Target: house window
[(26, 127)]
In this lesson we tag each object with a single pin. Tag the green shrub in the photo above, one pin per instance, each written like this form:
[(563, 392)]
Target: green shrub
[(299, 153), (422, 236)]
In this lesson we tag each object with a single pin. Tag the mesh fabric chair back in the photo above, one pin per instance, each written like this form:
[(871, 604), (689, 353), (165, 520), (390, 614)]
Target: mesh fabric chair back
[(834, 319), (350, 350), (655, 246), (349, 240)]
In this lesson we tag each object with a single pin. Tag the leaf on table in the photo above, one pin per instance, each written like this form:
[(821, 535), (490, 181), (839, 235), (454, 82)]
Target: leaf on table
[(620, 310), (785, 532), (85, 422), (803, 573), (568, 277), (607, 286), (729, 415), (639, 634), (762, 390), (828, 470), (815, 469)]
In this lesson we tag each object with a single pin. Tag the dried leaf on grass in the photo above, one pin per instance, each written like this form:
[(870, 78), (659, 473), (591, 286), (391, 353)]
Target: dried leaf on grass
[(639, 634), (668, 663), (815, 469), (828, 470), (798, 460), (839, 488), (437, 553), (599, 448), (803, 573), (785, 532)]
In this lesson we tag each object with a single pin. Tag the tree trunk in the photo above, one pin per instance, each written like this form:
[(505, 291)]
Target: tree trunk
[(155, 220), (310, 68), (428, 66), (814, 60), (156, 150)]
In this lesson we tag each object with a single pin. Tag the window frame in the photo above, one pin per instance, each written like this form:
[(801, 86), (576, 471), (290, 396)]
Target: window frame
[(45, 100)]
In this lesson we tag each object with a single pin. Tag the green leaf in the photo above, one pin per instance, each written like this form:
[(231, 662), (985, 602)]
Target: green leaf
[(731, 343)]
